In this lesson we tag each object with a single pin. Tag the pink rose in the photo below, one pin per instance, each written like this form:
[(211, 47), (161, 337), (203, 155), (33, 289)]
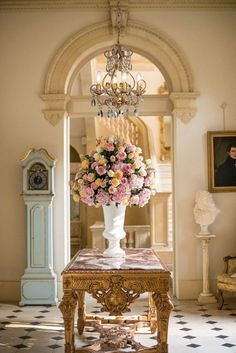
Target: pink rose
[(121, 155), (124, 181), (147, 181), (127, 168), (94, 186), (112, 158), (112, 190), (100, 170), (109, 146)]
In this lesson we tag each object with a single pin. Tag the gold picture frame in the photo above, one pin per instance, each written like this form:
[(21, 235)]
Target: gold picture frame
[(221, 147)]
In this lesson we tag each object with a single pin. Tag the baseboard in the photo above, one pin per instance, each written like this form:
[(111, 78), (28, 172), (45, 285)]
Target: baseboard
[(190, 289)]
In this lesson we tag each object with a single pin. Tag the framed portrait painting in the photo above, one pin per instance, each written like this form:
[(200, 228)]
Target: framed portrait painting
[(221, 161)]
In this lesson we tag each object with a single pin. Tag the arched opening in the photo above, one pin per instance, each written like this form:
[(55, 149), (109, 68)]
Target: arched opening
[(150, 226)]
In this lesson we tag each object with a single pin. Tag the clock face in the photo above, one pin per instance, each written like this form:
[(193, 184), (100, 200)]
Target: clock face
[(38, 177)]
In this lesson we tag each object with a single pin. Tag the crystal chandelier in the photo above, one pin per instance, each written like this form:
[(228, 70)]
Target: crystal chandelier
[(118, 90)]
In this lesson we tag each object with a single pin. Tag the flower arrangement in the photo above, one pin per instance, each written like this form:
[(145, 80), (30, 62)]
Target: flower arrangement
[(114, 173)]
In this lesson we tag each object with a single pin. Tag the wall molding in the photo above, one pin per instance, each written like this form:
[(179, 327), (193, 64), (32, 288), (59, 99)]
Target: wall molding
[(150, 42), (60, 5)]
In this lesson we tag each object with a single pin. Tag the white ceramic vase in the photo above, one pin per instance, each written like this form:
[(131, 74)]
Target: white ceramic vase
[(114, 217)]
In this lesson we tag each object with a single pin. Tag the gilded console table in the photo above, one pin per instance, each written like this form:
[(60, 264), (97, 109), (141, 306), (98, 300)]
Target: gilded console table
[(115, 284)]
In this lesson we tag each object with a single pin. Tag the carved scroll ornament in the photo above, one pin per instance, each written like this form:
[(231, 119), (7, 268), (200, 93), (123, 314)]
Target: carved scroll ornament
[(115, 294)]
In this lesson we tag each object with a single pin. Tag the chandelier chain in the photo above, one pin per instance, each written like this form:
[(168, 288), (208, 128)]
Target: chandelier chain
[(118, 21)]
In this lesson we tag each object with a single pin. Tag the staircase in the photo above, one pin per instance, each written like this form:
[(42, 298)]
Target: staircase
[(117, 127)]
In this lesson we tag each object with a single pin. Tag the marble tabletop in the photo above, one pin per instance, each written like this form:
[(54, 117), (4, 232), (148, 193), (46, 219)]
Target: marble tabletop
[(135, 259)]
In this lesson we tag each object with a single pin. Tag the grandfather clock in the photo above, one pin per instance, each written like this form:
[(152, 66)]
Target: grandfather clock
[(39, 282)]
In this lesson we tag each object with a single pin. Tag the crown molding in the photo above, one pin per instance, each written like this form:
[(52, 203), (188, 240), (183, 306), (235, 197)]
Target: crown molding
[(183, 4), (47, 5)]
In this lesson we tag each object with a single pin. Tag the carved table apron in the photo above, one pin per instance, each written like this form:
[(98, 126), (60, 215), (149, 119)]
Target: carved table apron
[(114, 283)]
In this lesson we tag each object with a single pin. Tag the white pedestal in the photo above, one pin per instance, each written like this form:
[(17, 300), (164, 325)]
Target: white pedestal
[(206, 296)]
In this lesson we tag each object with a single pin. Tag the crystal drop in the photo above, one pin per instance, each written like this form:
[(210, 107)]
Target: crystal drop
[(93, 102), (110, 113), (136, 111)]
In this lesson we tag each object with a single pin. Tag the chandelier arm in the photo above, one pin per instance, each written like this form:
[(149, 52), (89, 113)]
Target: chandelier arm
[(103, 84)]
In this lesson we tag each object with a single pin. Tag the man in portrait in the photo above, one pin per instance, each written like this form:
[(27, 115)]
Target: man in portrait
[(226, 172)]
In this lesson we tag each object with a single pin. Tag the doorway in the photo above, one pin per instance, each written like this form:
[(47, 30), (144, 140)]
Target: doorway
[(153, 133)]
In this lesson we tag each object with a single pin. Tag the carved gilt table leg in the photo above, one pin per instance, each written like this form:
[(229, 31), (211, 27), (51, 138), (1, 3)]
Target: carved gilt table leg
[(67, 307), (152, 317), (164, 306), (81, 312)]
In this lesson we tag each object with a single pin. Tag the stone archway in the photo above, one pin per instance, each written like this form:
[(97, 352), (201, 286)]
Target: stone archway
[(147, 41)]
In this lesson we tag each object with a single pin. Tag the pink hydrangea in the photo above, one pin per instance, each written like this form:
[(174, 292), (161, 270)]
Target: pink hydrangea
[(103, 197), (136, 182), (134, 200)]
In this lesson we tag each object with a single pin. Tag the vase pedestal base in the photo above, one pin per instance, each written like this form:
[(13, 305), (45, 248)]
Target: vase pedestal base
[(114, 251)]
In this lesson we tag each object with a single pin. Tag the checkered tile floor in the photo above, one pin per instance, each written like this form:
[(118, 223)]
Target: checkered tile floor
[(193, 328)]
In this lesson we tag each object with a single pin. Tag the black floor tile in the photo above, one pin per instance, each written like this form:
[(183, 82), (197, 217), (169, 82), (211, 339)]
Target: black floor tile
[(39, 317), (54, 346), (179, 316), (193, 345), (181, 322), (58, 338), (30, 329), (229, 345), (211, 322), (19, 346)]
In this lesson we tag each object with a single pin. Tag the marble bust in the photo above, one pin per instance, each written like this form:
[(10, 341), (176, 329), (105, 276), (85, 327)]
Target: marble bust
[(205, 210)]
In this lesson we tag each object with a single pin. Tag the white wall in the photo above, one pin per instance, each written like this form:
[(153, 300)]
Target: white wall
[(29, 40), (207, 38)]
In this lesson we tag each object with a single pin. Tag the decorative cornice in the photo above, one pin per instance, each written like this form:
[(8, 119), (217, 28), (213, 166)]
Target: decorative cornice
[(47, 5), (183, 4), (56, 105)]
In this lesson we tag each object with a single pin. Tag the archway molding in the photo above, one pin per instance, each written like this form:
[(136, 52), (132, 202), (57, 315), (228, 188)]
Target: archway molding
[(147, 41)]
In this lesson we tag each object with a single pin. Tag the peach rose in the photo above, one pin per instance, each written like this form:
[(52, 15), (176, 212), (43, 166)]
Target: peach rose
[(115, 182), (118, 174), (85, 164)]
